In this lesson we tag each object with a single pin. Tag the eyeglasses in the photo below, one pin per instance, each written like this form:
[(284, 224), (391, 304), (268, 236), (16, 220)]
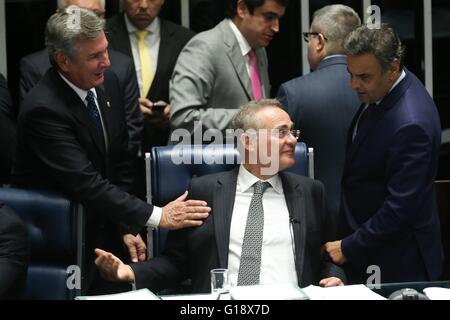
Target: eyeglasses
[(284, 133), (307, 35)]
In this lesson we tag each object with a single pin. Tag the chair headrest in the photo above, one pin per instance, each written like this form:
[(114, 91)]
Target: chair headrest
[(50, 218), (174, 166)]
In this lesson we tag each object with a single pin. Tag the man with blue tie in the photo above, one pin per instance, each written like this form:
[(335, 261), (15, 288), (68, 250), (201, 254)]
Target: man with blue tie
[(72, 137), (389, 218)]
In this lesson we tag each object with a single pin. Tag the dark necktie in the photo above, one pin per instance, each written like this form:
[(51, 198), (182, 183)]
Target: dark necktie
[(93, 112), (365, 116), (250, 265)]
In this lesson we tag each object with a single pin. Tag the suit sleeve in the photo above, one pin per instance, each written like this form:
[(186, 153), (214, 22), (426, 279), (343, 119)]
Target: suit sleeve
[(54, 142), (282, 96), (14, 251), (132, 112), (328, 268), (410, 175), (191, 89), (170, 268), (29, 77)]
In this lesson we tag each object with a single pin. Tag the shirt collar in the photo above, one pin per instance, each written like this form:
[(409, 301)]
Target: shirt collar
[(402, 76), (334, 56), (246, 180), (243, 43), (152, 28), (80, 92)]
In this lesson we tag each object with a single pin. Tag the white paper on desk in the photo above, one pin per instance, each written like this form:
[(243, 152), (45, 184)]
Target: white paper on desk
[(141, 294), (436, 293), (278, 291), (206, 296), (353, 292)]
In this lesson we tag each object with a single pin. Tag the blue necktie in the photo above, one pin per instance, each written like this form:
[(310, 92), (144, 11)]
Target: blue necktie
[(93, 112)]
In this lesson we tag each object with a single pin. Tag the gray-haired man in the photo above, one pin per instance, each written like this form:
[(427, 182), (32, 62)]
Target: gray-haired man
[(72, 137)]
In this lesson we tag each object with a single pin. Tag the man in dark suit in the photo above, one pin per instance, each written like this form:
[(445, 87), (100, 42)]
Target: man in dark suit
[(14, 254), (388, 213), (8, 134), (322, 103), (34, 66), (290, 234), (72, 137), (165, 41)]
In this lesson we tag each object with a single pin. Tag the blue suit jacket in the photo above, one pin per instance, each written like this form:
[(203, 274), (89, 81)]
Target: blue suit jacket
[(322, 104), (389, 214)]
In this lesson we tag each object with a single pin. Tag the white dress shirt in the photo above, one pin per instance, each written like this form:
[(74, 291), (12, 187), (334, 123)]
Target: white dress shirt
[(277, 254)]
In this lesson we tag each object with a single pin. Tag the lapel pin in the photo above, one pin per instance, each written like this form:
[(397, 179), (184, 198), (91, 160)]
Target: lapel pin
[(108, 104)]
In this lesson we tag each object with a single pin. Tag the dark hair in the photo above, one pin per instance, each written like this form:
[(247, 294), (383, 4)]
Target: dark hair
[(382, 42), (231, 8)]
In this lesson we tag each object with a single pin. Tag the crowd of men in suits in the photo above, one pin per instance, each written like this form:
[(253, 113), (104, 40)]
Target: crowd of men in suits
[(90, 107)]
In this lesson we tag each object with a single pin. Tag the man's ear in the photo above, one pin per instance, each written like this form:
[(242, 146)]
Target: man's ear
[(245, 140), (241, 9), (249, 142), (394, 69), (320, 46), (62, 61)]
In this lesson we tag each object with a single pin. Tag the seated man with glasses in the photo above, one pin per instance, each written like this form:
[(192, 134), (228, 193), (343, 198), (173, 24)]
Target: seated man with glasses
[(267, 226)]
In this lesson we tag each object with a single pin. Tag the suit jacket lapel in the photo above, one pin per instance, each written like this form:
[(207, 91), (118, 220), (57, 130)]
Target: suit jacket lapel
[(387, 103), (223, 204), (234, 53), (296, 206), (263, 71), (78, 109), (163, 54), (105, 109), (121, 36)]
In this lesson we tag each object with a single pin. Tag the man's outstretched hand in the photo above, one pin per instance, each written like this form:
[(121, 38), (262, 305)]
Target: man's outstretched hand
[(180, 213), (112, 268)]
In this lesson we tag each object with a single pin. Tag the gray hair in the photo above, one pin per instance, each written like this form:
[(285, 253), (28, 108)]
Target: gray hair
[(62, 4), (69, 25), (382, 42), (245, 119), (335, 22)]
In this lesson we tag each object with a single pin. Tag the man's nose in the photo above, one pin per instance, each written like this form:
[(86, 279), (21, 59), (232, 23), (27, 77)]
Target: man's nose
[(276, 25)]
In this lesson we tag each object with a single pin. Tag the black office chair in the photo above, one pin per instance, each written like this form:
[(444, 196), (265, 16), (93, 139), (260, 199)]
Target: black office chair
[(55, 227), (171, 168)]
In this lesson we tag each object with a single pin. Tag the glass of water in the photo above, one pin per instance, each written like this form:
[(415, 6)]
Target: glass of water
[(220, 282)]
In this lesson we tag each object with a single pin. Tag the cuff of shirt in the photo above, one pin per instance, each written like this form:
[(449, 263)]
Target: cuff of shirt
[(155, 217)]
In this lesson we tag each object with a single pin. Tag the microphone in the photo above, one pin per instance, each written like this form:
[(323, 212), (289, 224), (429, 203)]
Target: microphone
[(293, 220)]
